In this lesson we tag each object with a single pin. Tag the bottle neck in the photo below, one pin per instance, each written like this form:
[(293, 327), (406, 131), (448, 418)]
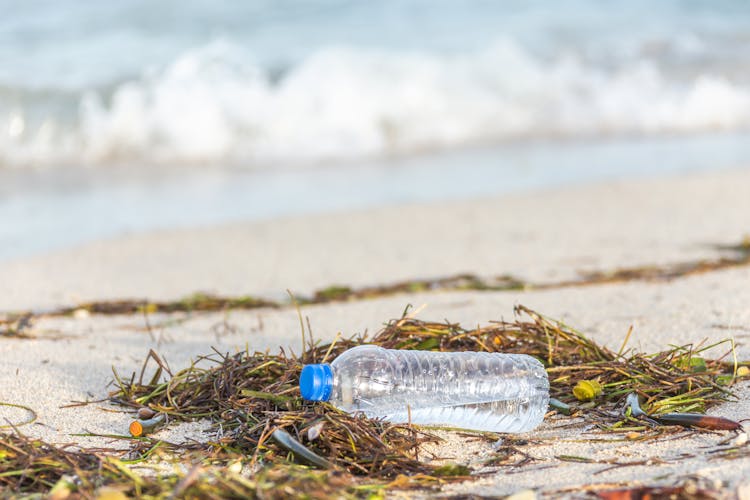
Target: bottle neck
[(316, 382)]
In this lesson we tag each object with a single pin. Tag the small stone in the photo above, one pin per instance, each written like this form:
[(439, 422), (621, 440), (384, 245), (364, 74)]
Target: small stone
[(81, 314), (690, 488), (743, 491), (522, 495), (740, 440), (145, 413)]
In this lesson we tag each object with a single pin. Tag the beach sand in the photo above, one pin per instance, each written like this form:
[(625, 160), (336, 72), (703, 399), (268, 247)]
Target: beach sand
[(545, 236)]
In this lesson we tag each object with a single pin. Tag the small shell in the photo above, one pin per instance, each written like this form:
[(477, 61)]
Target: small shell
[(314, 431), (145, 413)]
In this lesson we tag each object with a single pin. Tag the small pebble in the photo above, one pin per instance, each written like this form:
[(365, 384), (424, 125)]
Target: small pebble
[(690, 488), (522, 495), (740, 440), (743, 491), (81, 314)]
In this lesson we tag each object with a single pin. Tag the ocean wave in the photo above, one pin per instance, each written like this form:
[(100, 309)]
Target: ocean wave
[(214, 104)]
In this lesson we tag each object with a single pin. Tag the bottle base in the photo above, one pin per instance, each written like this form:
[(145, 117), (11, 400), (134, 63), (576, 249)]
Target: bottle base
[(495, 416)]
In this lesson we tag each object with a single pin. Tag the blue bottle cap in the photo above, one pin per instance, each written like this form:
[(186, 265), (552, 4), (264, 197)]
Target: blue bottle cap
[(315, 382)]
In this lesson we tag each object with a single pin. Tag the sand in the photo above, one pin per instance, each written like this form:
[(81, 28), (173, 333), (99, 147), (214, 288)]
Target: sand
[(540, 236)]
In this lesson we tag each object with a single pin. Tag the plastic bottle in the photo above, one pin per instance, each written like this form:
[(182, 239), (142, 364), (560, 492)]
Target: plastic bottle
[(471, 390)]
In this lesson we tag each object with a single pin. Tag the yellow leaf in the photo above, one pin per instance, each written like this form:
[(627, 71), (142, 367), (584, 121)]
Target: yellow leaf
[(586, 390)]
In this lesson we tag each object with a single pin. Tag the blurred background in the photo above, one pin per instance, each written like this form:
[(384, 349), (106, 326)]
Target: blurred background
[(128, 116)]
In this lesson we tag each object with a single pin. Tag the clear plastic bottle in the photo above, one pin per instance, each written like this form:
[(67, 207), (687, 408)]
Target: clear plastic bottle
[(472, 390)]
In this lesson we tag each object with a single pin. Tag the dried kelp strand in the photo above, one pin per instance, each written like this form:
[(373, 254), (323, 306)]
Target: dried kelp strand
[(698, 420)]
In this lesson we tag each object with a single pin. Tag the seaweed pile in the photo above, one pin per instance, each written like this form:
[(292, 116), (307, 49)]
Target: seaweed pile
[(249, 395), (262, 429), (39, 470)]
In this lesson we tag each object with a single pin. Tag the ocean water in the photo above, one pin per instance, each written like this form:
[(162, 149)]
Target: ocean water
[(270, 94)]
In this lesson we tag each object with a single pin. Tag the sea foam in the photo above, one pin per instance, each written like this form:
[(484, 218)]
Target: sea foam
[(216, 104)]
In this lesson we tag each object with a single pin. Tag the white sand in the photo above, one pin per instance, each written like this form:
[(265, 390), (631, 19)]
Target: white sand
[(540, 237)]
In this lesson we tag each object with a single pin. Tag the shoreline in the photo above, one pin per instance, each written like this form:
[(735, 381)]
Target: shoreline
[(45, 211)]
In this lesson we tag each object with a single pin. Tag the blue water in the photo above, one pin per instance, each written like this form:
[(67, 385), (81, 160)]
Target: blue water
[(128, 116)]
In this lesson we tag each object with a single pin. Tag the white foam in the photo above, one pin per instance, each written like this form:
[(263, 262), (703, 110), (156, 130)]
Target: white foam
[(213, 104)]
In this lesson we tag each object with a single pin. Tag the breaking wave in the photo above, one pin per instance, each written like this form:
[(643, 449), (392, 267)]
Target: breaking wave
[(214, 104)]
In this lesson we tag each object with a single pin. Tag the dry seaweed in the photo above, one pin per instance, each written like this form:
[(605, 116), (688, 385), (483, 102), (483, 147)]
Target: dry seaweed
[(16, 325), (676, 380), (466, 281), (197, 302), (734, 255), (683, 488), (29, 418), (253, 394), (250, 397), (30, 466)]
